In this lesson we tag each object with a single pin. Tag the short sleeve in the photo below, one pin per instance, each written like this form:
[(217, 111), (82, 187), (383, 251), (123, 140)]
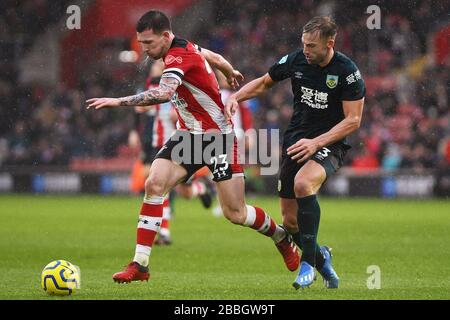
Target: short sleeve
[(280, 70), (353, 87), (178, 63), (199, 49)]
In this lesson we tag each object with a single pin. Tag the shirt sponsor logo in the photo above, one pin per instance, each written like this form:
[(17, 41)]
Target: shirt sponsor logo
[(171, 59), (315, 99), (353, 77), (179, 103)]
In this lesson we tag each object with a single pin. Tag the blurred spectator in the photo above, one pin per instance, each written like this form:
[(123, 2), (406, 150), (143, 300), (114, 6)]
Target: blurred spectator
[(365, 161)]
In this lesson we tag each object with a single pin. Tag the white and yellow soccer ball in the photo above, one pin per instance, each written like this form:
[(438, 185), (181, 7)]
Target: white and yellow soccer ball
[(61, 278)]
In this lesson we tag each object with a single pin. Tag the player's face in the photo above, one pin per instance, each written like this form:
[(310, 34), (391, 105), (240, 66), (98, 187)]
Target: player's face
[(153, 44), (157, 68), (315, 49)]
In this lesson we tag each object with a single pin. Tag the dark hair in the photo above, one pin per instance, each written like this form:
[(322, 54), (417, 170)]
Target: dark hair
[(325, 25), (154, 20)]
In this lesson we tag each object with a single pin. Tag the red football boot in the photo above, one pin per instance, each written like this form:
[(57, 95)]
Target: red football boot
[(290, 252), (133, 272)]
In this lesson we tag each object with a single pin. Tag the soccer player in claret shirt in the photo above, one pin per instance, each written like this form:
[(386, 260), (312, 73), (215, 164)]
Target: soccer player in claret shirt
[(328, 102), (191, 85)]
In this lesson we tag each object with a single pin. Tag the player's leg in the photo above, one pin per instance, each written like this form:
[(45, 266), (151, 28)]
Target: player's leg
[(164, 232), (306, 184), (196, 188), (289, 206), (231, 196), (289, 209), (202, 187), (148, 154), (164, 175), (289, 215)]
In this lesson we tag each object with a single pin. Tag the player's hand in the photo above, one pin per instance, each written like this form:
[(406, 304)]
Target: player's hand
[(234, 78), (230, 108), (302, 150), (99, 103)]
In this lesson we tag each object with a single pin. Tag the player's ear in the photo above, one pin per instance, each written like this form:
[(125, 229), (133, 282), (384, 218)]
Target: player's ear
[(330, 42), (166, 34)]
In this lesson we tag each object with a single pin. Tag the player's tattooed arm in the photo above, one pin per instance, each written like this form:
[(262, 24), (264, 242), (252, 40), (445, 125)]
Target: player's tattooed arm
[(161, 94), (167, 87)]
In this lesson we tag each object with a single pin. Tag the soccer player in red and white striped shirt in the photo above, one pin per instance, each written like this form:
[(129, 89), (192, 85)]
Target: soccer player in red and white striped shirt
[(190, 84), (158, 127)]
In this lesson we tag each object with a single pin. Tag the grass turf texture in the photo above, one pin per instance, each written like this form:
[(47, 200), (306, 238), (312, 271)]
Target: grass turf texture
[(213, 259)]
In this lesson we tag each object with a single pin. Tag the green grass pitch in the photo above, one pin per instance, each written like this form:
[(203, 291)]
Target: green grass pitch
[(213, 259)]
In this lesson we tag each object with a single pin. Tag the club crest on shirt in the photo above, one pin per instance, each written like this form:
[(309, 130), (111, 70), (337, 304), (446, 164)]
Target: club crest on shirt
[(332, 81), (170, 59)]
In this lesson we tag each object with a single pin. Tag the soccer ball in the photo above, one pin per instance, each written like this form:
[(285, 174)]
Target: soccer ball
[(60, 278)]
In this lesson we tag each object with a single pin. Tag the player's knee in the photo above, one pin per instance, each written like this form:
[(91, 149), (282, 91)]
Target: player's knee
[(303, 187), (154, 187), (234, 214)]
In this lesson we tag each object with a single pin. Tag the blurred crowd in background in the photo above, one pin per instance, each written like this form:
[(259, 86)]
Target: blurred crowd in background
[(406, 121)]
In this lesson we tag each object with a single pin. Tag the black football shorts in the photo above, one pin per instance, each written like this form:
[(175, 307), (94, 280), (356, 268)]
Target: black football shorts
[(217, 151), (330, 158)]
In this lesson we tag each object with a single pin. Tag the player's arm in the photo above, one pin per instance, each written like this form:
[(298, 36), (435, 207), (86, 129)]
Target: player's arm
[(250, 90), (163, 93), (218, 62), (305, 148)]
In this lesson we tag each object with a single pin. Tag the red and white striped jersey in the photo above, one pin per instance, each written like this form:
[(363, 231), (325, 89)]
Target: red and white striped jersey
[(197, 98), (163, 126)]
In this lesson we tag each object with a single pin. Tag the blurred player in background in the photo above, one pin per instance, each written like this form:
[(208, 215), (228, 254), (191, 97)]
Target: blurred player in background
[(189, 82), (158, 125), (328, 102)]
